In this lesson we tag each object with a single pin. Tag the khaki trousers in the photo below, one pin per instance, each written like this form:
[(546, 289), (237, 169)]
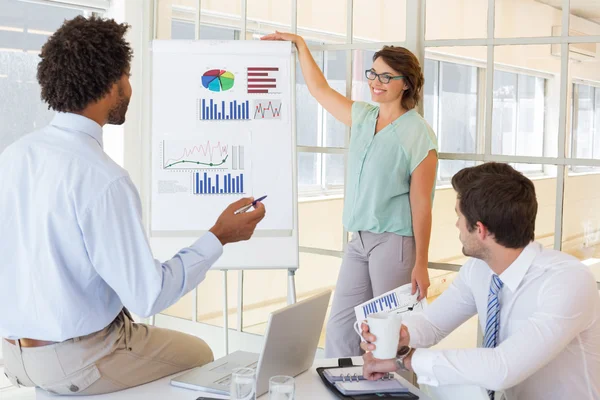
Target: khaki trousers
[(122, 355)]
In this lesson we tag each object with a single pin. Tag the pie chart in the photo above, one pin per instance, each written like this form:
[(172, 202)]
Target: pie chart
[(217, 80)]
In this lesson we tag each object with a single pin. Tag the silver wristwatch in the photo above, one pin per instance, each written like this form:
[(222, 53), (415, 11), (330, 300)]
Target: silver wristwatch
[(403, 352)]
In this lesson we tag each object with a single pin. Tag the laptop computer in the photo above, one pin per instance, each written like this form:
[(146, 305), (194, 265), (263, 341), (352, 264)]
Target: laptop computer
[(289, 349)]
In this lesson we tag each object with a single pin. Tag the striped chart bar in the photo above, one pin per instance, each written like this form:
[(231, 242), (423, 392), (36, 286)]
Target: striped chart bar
[(262, 80), (205, 184), (214, 110), (385, 303)]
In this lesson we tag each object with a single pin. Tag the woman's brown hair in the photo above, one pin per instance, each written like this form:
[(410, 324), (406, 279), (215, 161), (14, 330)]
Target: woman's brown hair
[(407, 64)]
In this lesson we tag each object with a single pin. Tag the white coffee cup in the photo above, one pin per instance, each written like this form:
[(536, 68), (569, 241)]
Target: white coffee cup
[(386, 328)]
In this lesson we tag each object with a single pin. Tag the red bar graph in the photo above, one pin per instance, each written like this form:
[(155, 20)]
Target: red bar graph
[(263, 80)]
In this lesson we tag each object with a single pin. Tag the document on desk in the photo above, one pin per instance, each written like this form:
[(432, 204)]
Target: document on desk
[(399, 300), (344, 374), (370, 387), (350, 381)]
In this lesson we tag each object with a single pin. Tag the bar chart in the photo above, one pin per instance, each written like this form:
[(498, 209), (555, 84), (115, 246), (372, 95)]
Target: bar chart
[(263, 80), (205, 183), (222, 110)]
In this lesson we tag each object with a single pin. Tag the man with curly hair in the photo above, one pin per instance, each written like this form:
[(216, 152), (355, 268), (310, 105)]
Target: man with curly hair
[(73, 247)]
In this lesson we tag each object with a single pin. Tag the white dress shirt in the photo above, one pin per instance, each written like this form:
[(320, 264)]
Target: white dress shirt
[(549, 341), (73, 246)]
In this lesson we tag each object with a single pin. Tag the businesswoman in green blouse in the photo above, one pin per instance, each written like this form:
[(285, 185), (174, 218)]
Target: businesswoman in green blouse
[(392, 164)]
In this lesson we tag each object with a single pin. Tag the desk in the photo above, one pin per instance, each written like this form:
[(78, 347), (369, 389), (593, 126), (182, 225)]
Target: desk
[(308, 386)]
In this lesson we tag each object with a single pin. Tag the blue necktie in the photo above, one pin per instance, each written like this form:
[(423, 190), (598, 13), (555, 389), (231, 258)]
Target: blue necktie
[(492, 324)]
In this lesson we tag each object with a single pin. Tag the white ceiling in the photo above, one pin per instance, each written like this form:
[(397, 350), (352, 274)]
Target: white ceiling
[(588, 9)]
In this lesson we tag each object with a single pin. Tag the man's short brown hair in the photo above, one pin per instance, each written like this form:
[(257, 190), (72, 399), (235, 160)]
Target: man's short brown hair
[(501, 198)]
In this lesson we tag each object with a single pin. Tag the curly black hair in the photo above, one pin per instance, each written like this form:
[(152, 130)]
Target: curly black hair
[(81, 61)]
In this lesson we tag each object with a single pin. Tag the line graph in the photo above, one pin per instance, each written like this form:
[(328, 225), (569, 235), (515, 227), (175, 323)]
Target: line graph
[(197, 163), (204, 154), (267, 109)]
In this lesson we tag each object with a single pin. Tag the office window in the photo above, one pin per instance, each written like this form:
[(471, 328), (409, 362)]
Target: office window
[(315, 126), (308, 111), (320, 173), (585, 132), (182, 30), (309, 165), (455, 19), (450, 102), (268, 16), (335, 72), (519, 117), (362, 60), (323, 21), (185, 30), (24, 28), (379, 21)]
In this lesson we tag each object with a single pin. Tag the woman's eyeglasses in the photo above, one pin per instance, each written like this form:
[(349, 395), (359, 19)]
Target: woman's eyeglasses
[(383, 78)]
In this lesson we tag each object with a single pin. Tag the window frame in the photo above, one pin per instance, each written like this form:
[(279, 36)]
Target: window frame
[(595, 86), (87, 6), (440, 58), (437, 104), (518, 72), (322, 187), (30, 30)]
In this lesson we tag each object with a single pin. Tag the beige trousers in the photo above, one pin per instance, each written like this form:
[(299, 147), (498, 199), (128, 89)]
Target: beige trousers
[(122, 355)]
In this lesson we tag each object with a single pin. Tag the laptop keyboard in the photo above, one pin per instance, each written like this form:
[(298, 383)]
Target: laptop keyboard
[(226, 381)]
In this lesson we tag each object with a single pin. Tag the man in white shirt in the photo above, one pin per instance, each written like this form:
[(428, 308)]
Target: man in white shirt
[(74, 250), (539, 309)]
